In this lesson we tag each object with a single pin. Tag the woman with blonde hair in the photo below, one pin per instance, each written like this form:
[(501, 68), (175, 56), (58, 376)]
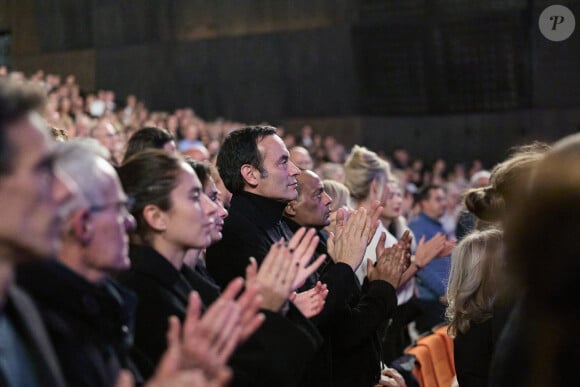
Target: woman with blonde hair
[(366, 175), (474, 320), (340, 199)]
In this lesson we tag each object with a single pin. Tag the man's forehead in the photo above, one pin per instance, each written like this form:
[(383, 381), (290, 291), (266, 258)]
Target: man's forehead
[(272, 146), (310, 179)]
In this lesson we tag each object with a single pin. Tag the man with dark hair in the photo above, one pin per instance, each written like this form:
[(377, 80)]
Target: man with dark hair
[(255, 167), (431, 279), (241, 149), (30, 195), (150, 138)]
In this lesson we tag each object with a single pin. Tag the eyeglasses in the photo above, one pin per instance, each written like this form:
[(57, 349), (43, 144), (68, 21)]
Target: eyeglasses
[(122, 206)]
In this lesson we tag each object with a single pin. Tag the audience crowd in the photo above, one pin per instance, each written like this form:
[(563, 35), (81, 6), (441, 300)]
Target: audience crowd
[(156, 248)]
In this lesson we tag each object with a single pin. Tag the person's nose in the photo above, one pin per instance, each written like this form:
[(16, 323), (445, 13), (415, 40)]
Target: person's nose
[(222, 212), (327, 199), (293, 169), (208, 206)]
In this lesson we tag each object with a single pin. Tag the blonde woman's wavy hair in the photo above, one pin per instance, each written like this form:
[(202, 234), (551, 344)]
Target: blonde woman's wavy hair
[(338, 192), (361, 168), (476, 265)]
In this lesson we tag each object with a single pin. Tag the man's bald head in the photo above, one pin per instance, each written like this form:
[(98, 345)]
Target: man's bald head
[(301, 158)]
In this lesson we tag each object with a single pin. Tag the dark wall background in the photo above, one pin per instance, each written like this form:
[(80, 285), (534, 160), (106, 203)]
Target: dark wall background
[(456, 77)]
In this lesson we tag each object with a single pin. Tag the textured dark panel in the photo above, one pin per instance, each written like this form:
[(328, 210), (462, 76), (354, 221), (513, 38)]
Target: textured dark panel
[(556, 76), (253, 78), (64, 24), (457, 56), (125, 22)]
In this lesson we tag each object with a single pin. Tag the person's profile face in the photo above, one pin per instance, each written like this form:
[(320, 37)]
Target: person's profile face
[(279, 180), (32, 191)]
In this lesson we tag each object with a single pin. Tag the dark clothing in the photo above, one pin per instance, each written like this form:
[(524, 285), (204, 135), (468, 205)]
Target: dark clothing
[(90, 326), (275, 355), (349, 323), (432, 279), (201, 282), (162, 292), (253, 225), (537, 347), (356, 343), (24, 316), (473, 351)]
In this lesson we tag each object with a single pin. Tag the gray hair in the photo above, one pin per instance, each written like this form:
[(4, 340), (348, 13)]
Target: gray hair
[(81, 160)]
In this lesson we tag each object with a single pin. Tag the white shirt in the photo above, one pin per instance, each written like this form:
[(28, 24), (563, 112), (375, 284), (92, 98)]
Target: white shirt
[(404, 292)]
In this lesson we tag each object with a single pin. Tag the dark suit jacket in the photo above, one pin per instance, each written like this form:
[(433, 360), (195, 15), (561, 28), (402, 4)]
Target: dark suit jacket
[(22, 312), (90, 326), (349, 322)]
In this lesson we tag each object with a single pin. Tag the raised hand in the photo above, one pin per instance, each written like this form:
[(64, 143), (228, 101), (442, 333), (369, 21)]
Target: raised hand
[(207, 342), (426, 251), (448, 248), (172, 370), (352, 237), (392, 378), (311, 302), (302, 245), (275, 277), (389, 266)]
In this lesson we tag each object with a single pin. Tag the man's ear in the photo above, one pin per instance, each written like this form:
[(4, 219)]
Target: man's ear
[(81, 227), (250, 175), (155, 218), (290, 208)]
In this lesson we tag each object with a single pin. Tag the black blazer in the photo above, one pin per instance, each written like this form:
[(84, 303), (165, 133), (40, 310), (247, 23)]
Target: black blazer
[(22, 312), (351, 353)]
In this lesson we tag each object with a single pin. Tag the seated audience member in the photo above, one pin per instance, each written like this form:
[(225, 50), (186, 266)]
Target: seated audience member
[(255, 167), (149, 138), (366, 176), (172, 214), (301, 158), (331, 171), (351, 317), (340, 199), (105, 133), (194, 268), (197, 152), (466, 220), (30, 196), (539, 346), (88, 316), (475, 322), (254, 164), (433, 277)]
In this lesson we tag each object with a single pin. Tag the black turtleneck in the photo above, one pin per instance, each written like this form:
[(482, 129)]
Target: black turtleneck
[(253, 225)]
